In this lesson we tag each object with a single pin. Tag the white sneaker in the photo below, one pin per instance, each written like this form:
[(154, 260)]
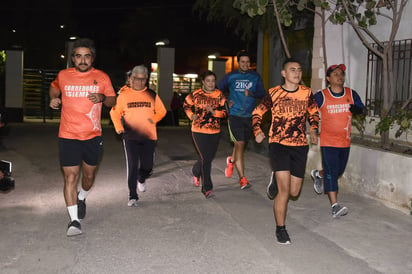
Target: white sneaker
[(141, 186), (132, 202)]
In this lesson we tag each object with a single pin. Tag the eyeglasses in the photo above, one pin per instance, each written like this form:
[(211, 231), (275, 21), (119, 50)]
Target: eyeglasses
[(138, 79)]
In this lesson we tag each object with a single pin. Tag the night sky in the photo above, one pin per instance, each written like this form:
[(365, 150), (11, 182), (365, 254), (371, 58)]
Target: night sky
[(124, 32)]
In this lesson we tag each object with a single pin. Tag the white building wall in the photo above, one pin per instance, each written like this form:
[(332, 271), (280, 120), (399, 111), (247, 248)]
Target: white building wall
[(344, 46)]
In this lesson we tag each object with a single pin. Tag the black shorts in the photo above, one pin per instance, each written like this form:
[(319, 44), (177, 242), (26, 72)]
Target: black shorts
[(292, 158), (72, 152), (240, 128)]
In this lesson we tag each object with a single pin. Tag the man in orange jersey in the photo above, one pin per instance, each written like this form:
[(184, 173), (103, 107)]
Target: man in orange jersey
[(337, 104), (291, 105), (80, 91), (138, 109)]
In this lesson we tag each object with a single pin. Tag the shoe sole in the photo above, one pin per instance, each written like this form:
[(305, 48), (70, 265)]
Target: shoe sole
[(133, 204), (73, 231), (342, 212), (285, 243), (210, 196), (246, 186)]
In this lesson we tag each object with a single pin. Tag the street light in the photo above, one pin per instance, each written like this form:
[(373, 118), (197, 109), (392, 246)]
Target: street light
[(163, 42)]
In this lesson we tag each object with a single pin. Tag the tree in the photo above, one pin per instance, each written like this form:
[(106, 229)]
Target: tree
[(360, 15)]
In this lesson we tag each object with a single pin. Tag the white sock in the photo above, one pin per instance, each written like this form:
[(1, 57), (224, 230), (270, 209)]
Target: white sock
[(73, 213), (82, 194)]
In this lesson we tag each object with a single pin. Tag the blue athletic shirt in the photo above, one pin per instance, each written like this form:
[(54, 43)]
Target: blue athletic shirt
[(236, 82)]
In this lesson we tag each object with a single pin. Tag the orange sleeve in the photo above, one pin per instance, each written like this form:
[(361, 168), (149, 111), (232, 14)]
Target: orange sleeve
[(188, 105), (258, 113), (116, 114), (160, 110)]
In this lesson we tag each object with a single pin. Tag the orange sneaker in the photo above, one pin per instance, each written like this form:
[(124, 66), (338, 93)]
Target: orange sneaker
[(229, 167), (244, 183)]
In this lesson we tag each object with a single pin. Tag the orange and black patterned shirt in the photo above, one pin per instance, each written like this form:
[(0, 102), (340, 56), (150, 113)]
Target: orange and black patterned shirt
[(196, 102), (290, 111)]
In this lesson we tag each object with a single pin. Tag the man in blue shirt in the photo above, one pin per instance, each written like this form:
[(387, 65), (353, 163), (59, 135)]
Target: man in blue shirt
[(244, 86)]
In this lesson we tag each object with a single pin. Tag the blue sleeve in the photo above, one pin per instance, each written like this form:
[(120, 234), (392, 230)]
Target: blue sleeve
[(319, 98), (357, 100), (223, 85), (260, 89)]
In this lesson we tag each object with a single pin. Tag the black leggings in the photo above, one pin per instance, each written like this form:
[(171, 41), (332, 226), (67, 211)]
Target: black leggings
[(139, 162), (206, 145)]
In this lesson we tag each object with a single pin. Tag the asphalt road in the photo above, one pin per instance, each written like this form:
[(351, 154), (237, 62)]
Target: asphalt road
[(174, 229)]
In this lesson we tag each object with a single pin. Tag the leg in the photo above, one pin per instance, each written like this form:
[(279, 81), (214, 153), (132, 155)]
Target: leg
[(146, 155), (88, 176), (132, 165), (71, 177), (238, 157), (280, 204)]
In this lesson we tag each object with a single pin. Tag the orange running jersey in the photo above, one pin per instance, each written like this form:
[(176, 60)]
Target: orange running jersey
[(196, 102), (336, 119), (290, 110), (137, 112), (80, 118)]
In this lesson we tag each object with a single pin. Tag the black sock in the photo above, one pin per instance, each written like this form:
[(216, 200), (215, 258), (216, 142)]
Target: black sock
[(280, 227)]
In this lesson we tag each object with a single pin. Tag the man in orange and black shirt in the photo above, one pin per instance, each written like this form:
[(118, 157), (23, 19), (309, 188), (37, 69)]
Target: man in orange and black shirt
[(80, 91), (291, 105)]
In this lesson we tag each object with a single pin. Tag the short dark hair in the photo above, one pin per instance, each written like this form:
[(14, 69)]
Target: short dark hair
[(84, 43), (206, 74), (289, 60), (242, 53)]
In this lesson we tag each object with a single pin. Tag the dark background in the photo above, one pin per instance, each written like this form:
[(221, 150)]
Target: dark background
[(124, 32)]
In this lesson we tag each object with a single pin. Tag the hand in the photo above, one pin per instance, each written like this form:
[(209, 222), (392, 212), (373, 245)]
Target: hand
[(260, 137), (55, 103), (96, 97), (313, 137), (246, 92), (120, 131), (355, 109), (210, 109)]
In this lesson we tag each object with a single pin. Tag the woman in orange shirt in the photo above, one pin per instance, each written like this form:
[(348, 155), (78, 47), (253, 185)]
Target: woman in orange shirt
[(205, 107)]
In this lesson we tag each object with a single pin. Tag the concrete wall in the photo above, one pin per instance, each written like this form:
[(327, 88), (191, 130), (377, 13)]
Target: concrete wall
[(374, 173)]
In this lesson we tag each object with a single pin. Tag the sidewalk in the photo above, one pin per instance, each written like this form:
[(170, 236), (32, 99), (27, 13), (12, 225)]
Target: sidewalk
[(175, 229)]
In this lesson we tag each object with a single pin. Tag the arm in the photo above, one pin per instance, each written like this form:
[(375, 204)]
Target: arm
[(116, 114), (257, 116), (358, 107), (188, 107), (160, 110), (55, 100), (313, 116)]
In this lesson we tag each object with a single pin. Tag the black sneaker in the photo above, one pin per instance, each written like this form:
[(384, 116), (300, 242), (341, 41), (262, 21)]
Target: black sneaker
[(283, 236), (74, 228), (338, 211), (272, 189), (81, 208)]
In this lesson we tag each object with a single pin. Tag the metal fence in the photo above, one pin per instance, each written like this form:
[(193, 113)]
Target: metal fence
[(402, 70), (36, 83)]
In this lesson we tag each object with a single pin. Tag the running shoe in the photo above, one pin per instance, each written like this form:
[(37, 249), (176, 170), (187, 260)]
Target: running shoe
[(244, 183), (272, 188), (74, 228), (317, 181), (132, 202), (338, 210), (196, 181), (283, 236), (209, 194), (141, 186), (229, 167), (81, 208)]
